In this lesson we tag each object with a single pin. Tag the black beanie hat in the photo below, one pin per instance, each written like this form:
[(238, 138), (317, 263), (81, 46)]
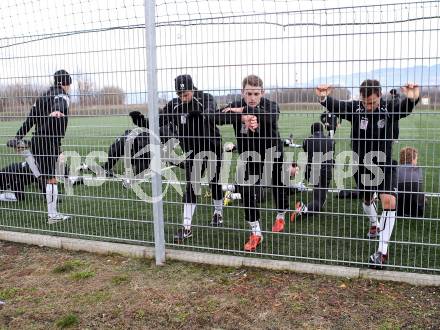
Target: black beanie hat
[(62, 77)]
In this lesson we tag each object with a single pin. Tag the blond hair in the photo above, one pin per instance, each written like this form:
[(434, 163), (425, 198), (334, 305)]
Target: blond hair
[(252, 80)]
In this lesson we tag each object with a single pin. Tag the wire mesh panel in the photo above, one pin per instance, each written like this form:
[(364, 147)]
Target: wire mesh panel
[(101, 46), (269, 112), (261, 61)]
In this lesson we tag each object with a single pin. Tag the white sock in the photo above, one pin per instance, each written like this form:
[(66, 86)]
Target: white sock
[(8, 197), (228, 187), (234, 196), (255, 227), (280, 215), (370, 211), (51, 198), (218, 206), (188, 212), (387, 221)]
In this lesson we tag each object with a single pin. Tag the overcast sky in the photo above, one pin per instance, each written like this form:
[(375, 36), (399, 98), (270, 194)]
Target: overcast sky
[(286, 42)]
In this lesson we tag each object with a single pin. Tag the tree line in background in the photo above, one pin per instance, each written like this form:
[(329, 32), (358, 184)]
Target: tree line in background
[(88, 95), (18, 98), (307, 95), (15, 97), (289, 95)]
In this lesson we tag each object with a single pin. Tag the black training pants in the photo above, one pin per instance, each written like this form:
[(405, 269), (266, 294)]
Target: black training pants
[(252, 188), (194, 171)]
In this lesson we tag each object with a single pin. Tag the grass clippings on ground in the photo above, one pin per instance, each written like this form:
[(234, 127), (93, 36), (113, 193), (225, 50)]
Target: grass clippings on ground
[(134, 293)]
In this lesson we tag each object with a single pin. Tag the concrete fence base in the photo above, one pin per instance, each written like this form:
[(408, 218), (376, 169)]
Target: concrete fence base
[(74, 244)]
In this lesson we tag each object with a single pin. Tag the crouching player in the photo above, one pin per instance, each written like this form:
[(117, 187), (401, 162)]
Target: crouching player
[(411, 199), (319, 168), (139, 153), (15, 177)]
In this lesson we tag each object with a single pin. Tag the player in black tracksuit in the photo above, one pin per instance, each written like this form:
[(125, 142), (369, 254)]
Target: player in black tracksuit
[(319, 168), (117, 149), (200, 139), (139, 156), (255, 122), (116, 152), (372, 123), (49, 116), (15, 177)]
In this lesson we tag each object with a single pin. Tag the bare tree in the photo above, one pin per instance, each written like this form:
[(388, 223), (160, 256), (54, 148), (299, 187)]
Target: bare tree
[(17, 99), (433, 93), (86, 91), (111, 95), (304, 95)]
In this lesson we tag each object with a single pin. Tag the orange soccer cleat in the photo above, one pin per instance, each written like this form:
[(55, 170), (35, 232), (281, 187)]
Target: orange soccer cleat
[(278, 225), (300, 209), (254, 241)]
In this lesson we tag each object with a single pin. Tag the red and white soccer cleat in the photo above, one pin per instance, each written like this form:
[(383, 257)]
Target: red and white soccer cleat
[(254, 241), (278, 225), (300, 209)]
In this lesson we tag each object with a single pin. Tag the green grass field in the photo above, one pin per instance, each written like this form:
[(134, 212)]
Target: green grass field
[(337, 236)]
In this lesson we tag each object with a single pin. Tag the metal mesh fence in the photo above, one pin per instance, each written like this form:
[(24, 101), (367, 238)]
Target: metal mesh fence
[(227, 143)]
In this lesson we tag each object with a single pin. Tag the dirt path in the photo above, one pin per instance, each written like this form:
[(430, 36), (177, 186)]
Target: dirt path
[(47, 289)]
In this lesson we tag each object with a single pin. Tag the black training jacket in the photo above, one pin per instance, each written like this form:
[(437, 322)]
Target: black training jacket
[(55, 99), (371, 130), (318, 142), (322, 147), (265, 136), (194, 128)]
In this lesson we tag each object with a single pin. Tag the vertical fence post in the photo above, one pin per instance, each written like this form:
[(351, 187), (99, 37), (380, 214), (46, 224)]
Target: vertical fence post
[(153, 116)]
